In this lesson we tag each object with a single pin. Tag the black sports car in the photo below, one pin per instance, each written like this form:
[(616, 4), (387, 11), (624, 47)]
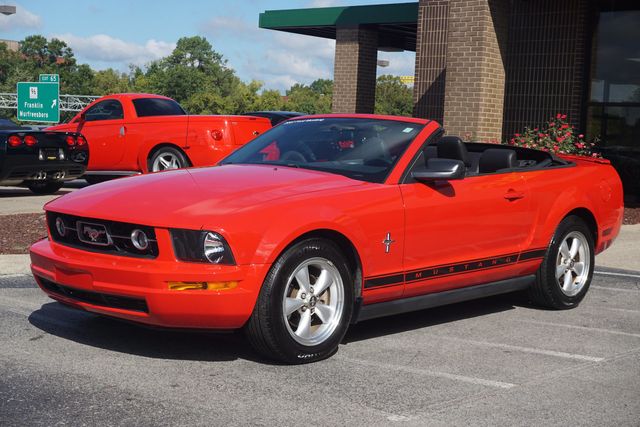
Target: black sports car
[(275, 116), (41, 160)]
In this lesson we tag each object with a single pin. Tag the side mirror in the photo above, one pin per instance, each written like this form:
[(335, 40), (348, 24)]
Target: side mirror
[(440, 169)]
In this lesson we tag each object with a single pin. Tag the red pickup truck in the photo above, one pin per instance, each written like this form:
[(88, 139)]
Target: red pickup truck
[(137, 133)]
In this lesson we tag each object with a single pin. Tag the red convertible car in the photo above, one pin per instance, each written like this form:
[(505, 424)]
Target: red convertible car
[(328, 220)]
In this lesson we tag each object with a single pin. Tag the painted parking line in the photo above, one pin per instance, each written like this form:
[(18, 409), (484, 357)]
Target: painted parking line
[(622, 310), (610, 273), (429, 373), (608, 288), (584, 328), (530, 350)]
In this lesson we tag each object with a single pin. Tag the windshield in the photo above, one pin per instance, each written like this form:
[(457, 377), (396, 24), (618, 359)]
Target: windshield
[(359, 148)]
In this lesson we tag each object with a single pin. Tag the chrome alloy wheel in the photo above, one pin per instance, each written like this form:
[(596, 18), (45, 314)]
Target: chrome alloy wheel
[(165, 161), (573, 263), (313, 301)]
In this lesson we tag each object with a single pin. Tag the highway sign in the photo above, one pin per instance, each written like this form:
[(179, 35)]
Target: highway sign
[(49, 78), (38, 102)]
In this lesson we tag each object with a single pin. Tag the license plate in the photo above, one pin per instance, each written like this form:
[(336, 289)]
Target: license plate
[(50, 154)]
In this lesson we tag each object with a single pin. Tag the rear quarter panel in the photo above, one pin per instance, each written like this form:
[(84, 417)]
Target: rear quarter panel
[(587, 184)]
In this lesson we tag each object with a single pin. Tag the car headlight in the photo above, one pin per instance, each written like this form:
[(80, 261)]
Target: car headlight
[(201, 246)]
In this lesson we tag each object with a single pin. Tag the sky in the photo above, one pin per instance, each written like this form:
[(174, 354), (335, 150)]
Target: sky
[(116, 33)]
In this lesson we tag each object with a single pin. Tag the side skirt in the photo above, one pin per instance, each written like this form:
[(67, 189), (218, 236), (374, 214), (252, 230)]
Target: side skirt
[(437, 299)]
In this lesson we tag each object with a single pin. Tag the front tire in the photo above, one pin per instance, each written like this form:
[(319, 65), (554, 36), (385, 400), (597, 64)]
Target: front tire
[(305, 304), (566, 271), (44, 187), (167, 158)]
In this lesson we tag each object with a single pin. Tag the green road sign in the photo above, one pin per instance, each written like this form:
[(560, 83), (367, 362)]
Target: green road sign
[(49, 78), (38, 102)]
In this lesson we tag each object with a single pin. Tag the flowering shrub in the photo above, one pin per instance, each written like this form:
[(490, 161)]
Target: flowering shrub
[(557, 136)]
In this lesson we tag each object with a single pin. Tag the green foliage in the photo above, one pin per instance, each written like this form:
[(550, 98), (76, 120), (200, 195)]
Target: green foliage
[(557, 136), (393, 97), (194, 74)]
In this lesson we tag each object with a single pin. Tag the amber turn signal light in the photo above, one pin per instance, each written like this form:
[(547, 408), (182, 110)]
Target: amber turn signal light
[(202, 286)]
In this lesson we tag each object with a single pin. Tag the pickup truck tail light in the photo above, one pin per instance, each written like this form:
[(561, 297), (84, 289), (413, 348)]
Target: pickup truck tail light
[(71, 141), (30, 140), (216, 134), (14, 141)]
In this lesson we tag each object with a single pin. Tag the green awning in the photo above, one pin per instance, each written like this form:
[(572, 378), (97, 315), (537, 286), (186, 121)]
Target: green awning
[(396, 22)]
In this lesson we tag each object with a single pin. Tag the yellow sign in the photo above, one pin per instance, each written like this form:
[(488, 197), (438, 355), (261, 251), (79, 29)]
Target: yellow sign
[(408, 80)]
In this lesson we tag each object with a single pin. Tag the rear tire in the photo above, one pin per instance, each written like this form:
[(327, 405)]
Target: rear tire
[(167, 158), (44, 187), (305, 304), (564, 276)]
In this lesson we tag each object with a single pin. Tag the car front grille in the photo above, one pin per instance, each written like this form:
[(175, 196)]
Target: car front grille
[(114, 237), (95, 298)]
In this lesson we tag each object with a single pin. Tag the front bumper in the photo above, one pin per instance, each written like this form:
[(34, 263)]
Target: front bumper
[(137, 289)]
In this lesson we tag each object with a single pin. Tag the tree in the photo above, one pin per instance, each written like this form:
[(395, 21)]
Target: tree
[(393, 97)]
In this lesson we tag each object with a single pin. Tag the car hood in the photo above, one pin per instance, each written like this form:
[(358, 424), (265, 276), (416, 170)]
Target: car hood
[(189, 198)]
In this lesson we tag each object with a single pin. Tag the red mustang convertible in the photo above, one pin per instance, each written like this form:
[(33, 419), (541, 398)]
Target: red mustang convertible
[(328, 220)]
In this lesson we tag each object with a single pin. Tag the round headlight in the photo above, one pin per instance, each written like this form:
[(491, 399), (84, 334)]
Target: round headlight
[(213, 248), (60, 227), (139, 239)]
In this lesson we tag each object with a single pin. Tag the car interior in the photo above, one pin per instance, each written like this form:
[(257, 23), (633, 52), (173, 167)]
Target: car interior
[(484, 158)]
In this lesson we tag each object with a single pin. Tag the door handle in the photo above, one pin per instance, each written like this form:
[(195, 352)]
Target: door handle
[(512, 195), (123, 130)]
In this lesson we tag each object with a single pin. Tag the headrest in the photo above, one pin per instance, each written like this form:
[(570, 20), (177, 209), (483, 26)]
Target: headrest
[(452, 147), (494, 159)]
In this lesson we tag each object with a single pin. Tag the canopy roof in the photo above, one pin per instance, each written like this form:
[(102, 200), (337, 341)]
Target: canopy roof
[(396, 23)]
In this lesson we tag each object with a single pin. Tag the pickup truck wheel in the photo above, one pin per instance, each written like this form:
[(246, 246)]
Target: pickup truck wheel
[(166, 158), (44, 187), (567, 268), (305, 304)]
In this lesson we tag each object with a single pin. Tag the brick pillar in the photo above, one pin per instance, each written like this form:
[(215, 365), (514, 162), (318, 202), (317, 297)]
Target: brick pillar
[(354, 75), (474, 87), (546, 72), (431, 59)]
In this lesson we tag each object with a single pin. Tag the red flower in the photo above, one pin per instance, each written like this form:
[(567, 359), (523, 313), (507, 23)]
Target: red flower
[(555, 148), (559, 139), (517, 135), (564, 116), (564, 126), (579, 145), (558, 116), (581, 136), (541, 135), (552, 124)]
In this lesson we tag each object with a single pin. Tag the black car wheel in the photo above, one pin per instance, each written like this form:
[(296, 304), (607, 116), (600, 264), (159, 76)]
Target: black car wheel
[(305, 304), (44, 187), (567, 268)]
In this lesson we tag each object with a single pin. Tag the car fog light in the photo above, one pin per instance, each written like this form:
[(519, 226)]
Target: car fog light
[(139, 239), (201, 286), (60, 227), (213, 248)]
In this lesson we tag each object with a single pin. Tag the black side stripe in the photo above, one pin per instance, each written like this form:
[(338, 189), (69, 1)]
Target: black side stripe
[(532, 254), (451, 269)]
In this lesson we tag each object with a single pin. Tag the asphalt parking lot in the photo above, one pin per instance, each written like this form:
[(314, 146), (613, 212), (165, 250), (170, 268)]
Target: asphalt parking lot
[(496, 361)]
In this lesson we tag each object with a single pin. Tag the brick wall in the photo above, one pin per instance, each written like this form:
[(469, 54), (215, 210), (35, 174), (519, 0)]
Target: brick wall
[(545, 68), (475, 75), (354, 72), (431, 59)]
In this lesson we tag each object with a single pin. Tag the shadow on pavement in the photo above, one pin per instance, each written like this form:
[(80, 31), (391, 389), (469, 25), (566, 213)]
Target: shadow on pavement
[(434, 316), (120, 336), (110, 334)]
